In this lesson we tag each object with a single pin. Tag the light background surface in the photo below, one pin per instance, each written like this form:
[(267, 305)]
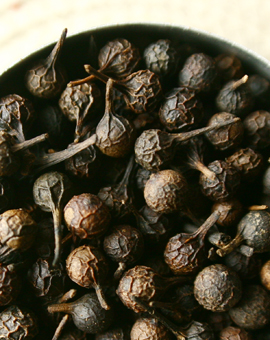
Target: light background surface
[(27, 25)]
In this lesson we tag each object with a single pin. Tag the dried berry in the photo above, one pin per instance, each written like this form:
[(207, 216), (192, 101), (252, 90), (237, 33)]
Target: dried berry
[(124, 245), (253, 230), (143, 283), (155, 149), (257, 129), (115, 134), (253, 311), (149, 329), (199, 72), (17, 324), (73, 334), (17, 232), (217, 288), (10, 284), (86, 216), (223, 185), (114, 334), (87, 313), (235, 97), (51, 190), (44, 244), (45, 280), (226, 137), (234, 333), (48, 77), (165, 191), (118, 58), (230, 212), (142, 176), (181, 109), (17, 113), (246, 267), (259, 87), (81, 104), (185, 253), (265, 275), (228, 66), (88, 267), (117, 197), (247, 162), (161, 57)]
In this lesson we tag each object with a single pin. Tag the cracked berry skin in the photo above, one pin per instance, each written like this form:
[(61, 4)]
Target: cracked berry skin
[(118, 58), (17, 324), (257, 129), (253, 311), (86, 266), (124, 244), (87, 216), (181, 109), (230, 211), (234, 333), (199, 72), (247, 162), (217, 288), (10, 285), (149, 329), (228, 66), (226, 137), (165, 190), (160, 57), (234, 100), (224, 186)]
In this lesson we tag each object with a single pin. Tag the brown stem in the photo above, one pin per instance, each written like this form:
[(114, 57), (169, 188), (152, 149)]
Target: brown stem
[(109, 95), (57, 219), (89, 69), (207, 172), (66, 238), (211, 220), (181, 137), (101, 297), (60, 327), (28, 143), (231, 246), (68, 295), (60, 156), (257, 207), (60, 307), (240, 82), (120, 270), (81, 81), (52, 58)]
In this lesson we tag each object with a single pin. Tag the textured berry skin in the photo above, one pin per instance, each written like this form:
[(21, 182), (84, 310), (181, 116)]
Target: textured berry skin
[(265, 275), (154, 149), (228, 66), (141, 282), (142, 91), (20, 108), (124, 244), (237, 101), (9, 161), (17, 324), (217, 288), (10, 285), (253, 311), (199, 331), (118, 58), (247, 162), (198, 73), (257, 129), (234, 333), (149, 329), (160, 57), (181, 109), (164, 191), (80, 101), (255, 230), (230, 211), (113, 334), (225, 184), (226, 137), (86, 266), (87, 216)]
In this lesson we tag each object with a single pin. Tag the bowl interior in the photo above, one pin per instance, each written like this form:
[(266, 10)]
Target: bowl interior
[(77, 51)]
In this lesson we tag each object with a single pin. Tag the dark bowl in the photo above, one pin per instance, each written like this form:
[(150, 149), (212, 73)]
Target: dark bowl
[(76, 51)]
